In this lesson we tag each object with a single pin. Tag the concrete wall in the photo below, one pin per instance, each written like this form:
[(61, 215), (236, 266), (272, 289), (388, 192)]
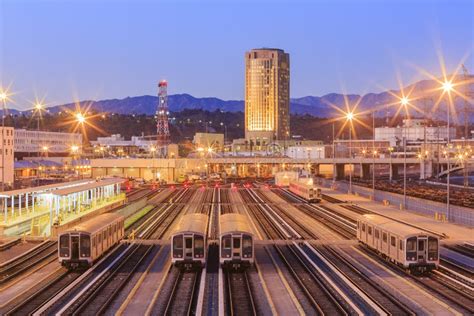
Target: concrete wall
[(459, 214)]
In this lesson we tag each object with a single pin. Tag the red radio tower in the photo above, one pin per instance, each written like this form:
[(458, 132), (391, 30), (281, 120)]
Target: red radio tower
[(163, 131)]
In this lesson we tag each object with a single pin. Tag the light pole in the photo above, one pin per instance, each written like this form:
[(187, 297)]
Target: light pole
[(404, 102), (153, 150), (3, 97), (390, 150), (373, 155), (349, 117), (447, 87)]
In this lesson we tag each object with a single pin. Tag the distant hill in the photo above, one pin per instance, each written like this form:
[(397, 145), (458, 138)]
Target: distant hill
[(313, 105)]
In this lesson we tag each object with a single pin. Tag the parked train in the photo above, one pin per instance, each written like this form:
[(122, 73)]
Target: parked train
[(306, 191), (189, 241), (236, 240), (83, 244), (404, 245)]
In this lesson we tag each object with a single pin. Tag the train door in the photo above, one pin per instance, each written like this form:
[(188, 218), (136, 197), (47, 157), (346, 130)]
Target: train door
[(74, 247), (188, 247), (422, 249), (236, 247)]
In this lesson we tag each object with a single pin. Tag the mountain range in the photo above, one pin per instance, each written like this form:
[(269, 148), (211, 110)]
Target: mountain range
[(424, 92)]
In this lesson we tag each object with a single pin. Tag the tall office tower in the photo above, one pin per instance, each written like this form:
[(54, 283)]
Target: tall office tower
[(267, 95)]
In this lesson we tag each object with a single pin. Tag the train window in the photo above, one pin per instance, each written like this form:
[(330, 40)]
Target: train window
[(393, 242), (85, 245), (247, 246), (369, 228), (64, 245), (432, 248), (400, 244), (384, 237), (198, 246), (236, 243), (178, 242), (363, 227), (377, 234), (358, 225), (189, 243), (411, 244), (93, 242), (227, 242)]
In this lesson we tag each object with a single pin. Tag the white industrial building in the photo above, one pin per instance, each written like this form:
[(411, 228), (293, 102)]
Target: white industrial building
[(30, 141), (117, 140), (414, 130), (306, 152)]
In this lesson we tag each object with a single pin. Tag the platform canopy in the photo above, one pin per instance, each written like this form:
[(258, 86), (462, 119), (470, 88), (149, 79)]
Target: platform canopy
[(88, 186), (45, 188)]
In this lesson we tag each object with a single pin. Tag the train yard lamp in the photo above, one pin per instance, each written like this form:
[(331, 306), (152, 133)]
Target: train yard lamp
[(3, 97), (349, 118), (447, 87), (374, 153), (390, 150), (404, 103), (153, 151)]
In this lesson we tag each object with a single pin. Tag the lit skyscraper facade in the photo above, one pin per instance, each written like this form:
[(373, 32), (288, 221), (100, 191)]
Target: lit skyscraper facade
[(267, 95)]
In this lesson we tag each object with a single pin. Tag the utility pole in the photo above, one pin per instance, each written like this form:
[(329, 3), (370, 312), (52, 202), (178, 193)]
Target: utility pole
[(467, 111), (163, 131)]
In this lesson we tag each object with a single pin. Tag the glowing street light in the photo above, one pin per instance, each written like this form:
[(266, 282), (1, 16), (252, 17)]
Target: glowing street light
[(447, 86), (350, 117), (80, 118)]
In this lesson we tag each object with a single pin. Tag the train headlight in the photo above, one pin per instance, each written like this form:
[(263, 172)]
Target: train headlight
[(228, 256)]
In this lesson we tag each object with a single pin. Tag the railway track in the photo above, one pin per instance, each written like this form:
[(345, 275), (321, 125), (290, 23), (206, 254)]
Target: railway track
[(322, 299), (45, 251), (464, 249), (270, 229), (385, 301), (183, 296), (96, 297), (238, 291), (224, 201), (37, 297), (9, 244), (458, 296), (285, 218), (337, 223)]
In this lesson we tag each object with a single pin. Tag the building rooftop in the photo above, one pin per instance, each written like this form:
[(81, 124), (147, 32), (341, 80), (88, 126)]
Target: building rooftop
[(88, 186)]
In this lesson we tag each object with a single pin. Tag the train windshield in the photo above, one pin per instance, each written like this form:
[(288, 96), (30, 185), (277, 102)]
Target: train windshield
[(411, 248), (64, 245), (178, 246), (198, 246), (432, 248), (85, 245), (247, 246)]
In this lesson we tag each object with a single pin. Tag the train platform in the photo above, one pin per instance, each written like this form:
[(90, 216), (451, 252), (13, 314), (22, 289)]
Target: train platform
[(452, 232), (38, 215)]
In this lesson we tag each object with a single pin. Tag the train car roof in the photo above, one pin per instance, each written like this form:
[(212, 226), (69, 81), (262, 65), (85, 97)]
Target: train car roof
[(393, 226), (233, 222), (303, 184), (193, 223), (95, 224)]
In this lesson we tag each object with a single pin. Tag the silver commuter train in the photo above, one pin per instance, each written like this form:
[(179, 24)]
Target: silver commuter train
[(306, 191), (236, 239), (189, 240), (84, 243), (404, 245)]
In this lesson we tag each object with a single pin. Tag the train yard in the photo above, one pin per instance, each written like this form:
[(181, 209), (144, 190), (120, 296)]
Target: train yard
[(254, 249)]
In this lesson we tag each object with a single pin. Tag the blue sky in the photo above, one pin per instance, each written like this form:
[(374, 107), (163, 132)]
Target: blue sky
[(66, 50)]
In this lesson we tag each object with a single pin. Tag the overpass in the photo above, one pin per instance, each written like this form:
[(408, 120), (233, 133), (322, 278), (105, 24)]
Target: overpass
[(171, 169)]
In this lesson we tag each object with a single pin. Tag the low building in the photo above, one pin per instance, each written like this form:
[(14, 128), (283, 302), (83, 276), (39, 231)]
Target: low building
[(7, 157), (309, 152), (36, 143), (117, 145), (358, 148), (415, 131), (209, 140)]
